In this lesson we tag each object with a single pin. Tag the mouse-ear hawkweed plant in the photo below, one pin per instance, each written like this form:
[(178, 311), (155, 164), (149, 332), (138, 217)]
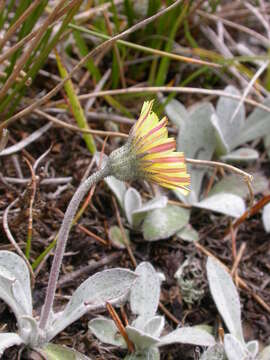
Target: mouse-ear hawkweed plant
[(148, 154)]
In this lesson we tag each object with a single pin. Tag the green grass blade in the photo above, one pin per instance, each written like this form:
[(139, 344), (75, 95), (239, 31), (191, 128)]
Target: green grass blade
[(76, 106), (44, 254), (83, 50), (165, 62), (129, 12), (94, 70)]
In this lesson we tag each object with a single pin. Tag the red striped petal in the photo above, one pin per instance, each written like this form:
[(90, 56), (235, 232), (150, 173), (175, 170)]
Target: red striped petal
[(169, 159), (142, 120), (174, 178), (169, 170), (163, 147)]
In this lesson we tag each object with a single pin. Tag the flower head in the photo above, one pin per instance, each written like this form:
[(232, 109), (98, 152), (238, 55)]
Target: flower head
[(150, 154)]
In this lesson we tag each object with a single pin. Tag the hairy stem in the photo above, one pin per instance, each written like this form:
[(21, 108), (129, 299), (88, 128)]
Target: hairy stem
[(62, 240)]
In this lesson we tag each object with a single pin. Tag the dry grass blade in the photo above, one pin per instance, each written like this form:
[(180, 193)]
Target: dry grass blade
[(13, 241), (238, 258), (95, 51), (131, 90), (58, 122), (237, 26), (246, 176), (25, 142), (23, 59), (249, 86), (4, 139), (169, 89), (18, 23), (98, 88), (146, 49)]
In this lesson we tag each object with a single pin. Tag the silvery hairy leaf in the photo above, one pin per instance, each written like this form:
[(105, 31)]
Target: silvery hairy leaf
[(106, 286), (117, 187), (256, 125), (234, 184), (15, 287), (132, 202), (266, 218), (227, 127), (188, 335), (226, 297), (144, 294), (234, 349), (140, 339), (188, 233), (266, 141), (146, 354), (163, 223), (9, 339), (159, 202), (253, 347), (265, 353), (106, 331), (154, 326), (242, 155), (197, 140), (215, 352), (224, 203), (116, 237), (29, 330), (176, 113), (59, 352)]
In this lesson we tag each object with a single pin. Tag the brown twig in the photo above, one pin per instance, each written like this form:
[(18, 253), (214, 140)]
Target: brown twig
[(252, 211), (233, 236), (84, 229), (120, 327), (92, 190), (211, 182), (129, 250), (238, 259), (124, 315), (168, 313)]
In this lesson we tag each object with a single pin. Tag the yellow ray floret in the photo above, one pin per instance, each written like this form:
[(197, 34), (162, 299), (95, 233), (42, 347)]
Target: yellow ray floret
[(158, 160)]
